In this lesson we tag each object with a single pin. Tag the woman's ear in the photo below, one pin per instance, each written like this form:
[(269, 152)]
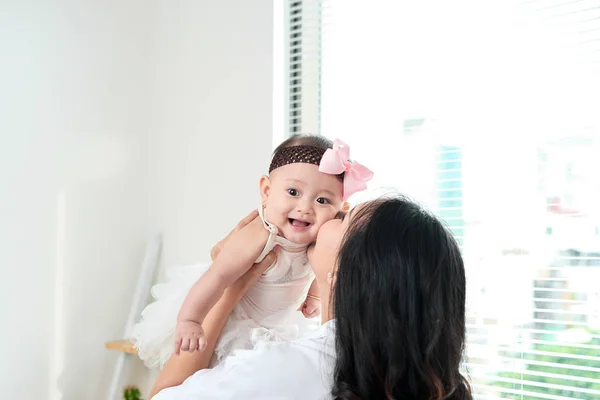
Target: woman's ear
[(345, 206), (265, 187)]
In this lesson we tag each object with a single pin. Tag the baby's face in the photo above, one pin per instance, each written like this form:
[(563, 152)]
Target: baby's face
[(299, 199)]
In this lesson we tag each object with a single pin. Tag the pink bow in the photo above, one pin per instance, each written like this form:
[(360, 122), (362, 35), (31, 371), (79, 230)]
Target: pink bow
[(337, 160)]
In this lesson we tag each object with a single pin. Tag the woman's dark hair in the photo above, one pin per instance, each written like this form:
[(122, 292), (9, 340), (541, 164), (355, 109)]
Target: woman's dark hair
[(399, 302)]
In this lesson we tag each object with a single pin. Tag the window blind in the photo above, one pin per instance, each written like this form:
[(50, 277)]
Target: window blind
[(304, 65), (487, 113)]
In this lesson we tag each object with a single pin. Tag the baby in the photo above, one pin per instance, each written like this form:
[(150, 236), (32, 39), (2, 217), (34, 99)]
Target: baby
[(310, 178)]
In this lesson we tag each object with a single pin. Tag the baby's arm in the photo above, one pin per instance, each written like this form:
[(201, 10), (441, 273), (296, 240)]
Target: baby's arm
[(239, 251), (207, 290), (204, 294), (312, 304)]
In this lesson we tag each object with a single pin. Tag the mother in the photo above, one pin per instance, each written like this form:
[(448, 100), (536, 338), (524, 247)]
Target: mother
[(396, 329)]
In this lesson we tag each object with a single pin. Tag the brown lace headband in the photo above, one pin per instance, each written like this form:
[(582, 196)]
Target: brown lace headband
[(297, 154), (335, 161)]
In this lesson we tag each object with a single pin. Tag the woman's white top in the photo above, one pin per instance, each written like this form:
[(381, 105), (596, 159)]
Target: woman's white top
[(302, 369)]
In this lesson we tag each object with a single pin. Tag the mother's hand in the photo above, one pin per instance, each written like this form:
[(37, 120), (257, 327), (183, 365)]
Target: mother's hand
[(245, 242), (241, 247), (216, 249)]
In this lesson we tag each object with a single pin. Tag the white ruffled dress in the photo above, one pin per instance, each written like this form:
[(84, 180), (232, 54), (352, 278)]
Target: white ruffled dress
[(267, 312)]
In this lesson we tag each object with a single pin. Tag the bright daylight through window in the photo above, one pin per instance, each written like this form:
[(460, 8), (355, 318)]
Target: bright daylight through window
[(488, 113)]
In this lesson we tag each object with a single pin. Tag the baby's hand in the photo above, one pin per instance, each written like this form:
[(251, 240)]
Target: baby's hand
[(189, 336), (311, 307)]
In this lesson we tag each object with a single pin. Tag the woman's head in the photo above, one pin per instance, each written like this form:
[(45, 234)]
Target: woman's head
[(399, 304), (298, 198)]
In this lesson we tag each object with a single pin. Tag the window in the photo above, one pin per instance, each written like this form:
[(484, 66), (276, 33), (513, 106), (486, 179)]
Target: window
[(487, 113)]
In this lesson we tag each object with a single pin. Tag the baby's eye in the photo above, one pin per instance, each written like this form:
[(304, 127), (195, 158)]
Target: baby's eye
[(293, 192), (323, 200)]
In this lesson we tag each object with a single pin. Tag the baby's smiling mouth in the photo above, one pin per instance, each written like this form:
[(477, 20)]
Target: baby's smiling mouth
[(298, 223)]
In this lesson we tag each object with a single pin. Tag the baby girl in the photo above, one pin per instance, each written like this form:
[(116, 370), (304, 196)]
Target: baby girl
[(310, 178)]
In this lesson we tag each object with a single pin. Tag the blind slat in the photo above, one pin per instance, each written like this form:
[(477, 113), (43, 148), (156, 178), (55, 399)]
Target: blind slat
[(547, 342), (536, 373), (546, 385), (564, 312), (548, 364), (526, 330), (540, 289), (561, 301), (543, 353), (519, 392)]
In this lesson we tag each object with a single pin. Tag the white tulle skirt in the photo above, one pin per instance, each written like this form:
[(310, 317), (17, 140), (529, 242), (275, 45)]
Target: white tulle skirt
[(154, 335)]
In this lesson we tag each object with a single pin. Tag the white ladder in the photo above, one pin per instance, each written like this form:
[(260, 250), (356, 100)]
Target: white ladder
[(140, 298)]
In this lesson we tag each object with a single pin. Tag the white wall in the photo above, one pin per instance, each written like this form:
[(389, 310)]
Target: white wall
[(213, 134), (117, 118)]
